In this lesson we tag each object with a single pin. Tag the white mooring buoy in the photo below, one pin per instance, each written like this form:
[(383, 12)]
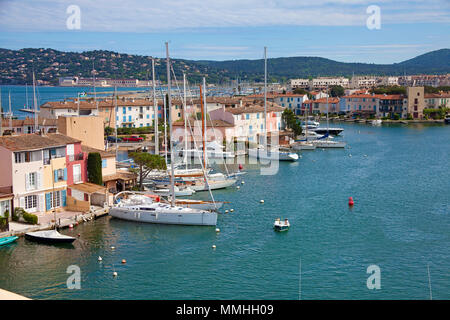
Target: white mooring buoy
[(100, 258), (217, 230), (114, 274), (226, 211), (231, 210), (213, 246), (238, 187), (261, 201)]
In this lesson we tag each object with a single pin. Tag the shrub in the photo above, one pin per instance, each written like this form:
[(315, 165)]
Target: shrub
[(18, 212), (30, 218)]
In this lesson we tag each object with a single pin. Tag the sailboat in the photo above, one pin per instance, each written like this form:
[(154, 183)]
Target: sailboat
[(327, 143), (264, 151), (142, 208), (304, 144)]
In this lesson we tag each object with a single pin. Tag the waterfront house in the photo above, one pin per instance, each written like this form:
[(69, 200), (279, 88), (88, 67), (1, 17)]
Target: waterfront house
[(35, 166), (114, 180), (6, 207), (26, 126), (248, 120), (321, 106), (360, 105), (415, 102)]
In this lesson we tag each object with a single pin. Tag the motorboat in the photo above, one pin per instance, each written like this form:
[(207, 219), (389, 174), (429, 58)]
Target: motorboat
[(49, 236), (303, 145), (201, 185), (7, 240), (141, 208), (332, 131), (376, 122), (179, 191), (199, 204), (281, 154), (329, 144), (281, 226)]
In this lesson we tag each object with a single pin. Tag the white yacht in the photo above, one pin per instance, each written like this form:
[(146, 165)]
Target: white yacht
[(303, 145), (141, 208), (328, 144), (280, 154), (179, 191)]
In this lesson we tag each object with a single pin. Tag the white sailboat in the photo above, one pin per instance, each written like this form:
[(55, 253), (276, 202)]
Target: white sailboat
[(326, 142), (143, 209), (264, 151)]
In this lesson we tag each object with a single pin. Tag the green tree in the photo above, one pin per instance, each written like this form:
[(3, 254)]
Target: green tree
[(291, 121), (337, 91), (108, 131), (145, 163), (300, 91), (94, 168)]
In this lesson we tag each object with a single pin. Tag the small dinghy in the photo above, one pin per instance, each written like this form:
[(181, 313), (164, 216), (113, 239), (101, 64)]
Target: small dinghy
[(49, 236), (7, 240), (280, 226)]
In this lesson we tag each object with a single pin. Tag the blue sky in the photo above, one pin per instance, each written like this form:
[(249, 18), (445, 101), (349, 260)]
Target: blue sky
[(232, 29)]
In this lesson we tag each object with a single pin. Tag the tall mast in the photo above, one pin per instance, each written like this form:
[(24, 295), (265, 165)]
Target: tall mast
[(95, 93), (165, 126), (1, 113), (328, 129), (205, 109), (172, 184), (203, 122), (35, 105), (155, 109), (10, 113), (117, 112), (185, 120), (265, 96), (26, 95)]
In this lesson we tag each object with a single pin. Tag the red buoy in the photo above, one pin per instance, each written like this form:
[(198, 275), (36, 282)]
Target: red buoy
[(350, 201), (240, 167)]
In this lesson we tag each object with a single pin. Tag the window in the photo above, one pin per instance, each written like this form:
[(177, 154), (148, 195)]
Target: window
[(247, 116), (148, 116), (257, 116), (129, 108), (30, 202), (129, 118), (124, 119), (103, 163), (55, 199), (124, 110), (4, 205), (31, 181), (77, 173), (60, 175)]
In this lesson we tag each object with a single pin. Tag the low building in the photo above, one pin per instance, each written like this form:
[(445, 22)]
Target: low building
[(89, 130), (26, 126), (35, 166), (321, 106)]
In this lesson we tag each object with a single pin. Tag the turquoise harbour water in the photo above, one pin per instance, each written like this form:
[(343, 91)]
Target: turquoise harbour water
[(398, 176)]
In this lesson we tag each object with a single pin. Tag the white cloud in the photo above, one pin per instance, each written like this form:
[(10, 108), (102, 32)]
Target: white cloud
[(154, 16)]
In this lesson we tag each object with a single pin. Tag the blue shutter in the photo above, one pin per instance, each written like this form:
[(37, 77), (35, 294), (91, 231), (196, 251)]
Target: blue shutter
[(55, 175), (48, 200), (65, 174), (63, 198), (103, 163)]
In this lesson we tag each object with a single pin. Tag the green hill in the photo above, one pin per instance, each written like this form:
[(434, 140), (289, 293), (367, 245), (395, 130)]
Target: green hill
[(16, 66)]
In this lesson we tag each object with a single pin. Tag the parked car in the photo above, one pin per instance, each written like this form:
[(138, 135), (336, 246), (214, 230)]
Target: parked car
[(133, 139), (113, 139)]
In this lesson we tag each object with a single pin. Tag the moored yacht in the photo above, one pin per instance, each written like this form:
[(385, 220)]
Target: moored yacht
[(142, 208)]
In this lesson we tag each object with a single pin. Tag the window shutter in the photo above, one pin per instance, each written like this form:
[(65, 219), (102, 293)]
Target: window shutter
[(22, 202), (39, 180), (27, 181), (63, 198), (41, 203), (48, 200), (65, 174), (55, 175)]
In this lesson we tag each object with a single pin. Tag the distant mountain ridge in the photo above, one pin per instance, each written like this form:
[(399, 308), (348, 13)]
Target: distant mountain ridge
[(16, 66)]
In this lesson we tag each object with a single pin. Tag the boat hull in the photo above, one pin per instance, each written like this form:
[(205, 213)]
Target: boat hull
[(193, 219), (214, 185), (333, 131), (280, 156), (42, 238), (329, 144), (8, 240)]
